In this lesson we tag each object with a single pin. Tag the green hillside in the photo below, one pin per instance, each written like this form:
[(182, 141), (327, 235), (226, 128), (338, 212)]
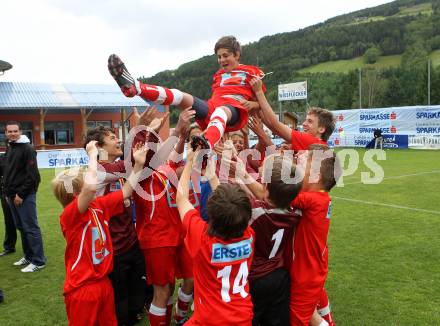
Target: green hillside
[(396, 39), (344, 66)]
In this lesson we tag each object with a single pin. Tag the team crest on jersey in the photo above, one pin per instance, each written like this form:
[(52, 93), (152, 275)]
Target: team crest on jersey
[(329, 210), (115, 186), (226, 253), (233, 79), (99, 251)]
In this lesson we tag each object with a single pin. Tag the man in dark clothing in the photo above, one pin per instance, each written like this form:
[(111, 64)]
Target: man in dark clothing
[(21, 180), (10, 230), (378, 139)]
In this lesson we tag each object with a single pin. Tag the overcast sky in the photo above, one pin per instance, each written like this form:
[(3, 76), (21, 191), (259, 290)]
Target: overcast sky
[(61, 41)]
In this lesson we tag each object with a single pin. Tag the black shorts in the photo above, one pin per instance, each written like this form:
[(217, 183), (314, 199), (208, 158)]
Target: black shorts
[(201, 108), (270, 296), (129, 285)]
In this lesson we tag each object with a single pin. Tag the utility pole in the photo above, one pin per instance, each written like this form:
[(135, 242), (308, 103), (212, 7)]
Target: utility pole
[(429, 82), (280, 113), (360, 88)]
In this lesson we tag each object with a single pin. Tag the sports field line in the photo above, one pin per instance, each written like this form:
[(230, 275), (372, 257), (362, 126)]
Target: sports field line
[(397, 177), (387, 205)]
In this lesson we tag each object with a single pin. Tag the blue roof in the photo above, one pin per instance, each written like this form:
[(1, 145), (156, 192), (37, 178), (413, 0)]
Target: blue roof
[(17, 95)]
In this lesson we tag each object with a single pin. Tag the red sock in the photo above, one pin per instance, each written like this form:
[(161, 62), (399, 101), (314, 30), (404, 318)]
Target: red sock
[(324, 308), (160, 95), (182, 305), (157, 316), (169, 310), (216, 127)]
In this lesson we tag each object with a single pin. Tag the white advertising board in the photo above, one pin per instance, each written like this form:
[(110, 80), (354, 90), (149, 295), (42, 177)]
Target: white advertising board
[(292, 91)]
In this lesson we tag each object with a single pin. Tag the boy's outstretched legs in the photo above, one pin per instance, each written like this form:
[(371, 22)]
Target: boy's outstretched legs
[(156, 94), (216, 127), (162, 95)]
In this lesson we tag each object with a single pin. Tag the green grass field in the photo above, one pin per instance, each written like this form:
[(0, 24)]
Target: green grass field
[(384, 250)]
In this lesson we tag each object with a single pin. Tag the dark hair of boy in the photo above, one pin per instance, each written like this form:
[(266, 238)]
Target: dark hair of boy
[(325, 119), (13, 123), (191, 128), (229, 43), (98, 134), (330, 169), (229, 211), (281, 193)]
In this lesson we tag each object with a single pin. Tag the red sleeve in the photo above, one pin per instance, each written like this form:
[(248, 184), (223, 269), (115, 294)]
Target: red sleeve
[(194, 228), (112, 204), (71, 215), (301, 140), (175, 165), (300, 201)]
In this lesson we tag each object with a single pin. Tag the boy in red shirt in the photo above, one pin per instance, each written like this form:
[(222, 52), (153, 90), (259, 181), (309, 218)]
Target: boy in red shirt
[(273, 221), (158, 225), (309, 268), (224, 111), (222, 251), (318, 126), (88, 293), (128, 274), (160, 236)]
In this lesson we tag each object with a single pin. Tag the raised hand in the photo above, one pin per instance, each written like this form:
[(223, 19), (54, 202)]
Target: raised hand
[(251, 106), (256, 85), (91, 148), (256, 125), (140, 154), (158, 123), (183, 125)]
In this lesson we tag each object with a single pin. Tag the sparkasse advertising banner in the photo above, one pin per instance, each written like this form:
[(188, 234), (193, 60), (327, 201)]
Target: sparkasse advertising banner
[(292, 91), (62, 158), (356, 127)]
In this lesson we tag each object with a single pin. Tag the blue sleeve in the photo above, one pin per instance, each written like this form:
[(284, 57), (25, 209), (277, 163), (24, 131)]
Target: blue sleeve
[(205, 191)]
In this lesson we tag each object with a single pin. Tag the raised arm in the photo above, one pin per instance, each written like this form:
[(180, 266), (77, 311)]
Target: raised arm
[(183, 203), (211, 175), (241, 175), (88, 190), (268, 116), (182, 130), (139, 155)]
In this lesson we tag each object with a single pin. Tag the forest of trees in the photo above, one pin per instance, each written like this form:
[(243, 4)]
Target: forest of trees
[(381, 30)]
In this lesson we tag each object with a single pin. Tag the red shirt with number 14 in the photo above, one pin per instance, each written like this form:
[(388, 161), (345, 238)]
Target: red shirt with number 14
[(221, 289)]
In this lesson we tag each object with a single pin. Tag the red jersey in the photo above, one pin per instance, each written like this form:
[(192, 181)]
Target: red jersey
[(221, 289), (301, 140), (89, 252), (230, 87), (273, 229), (310, 253), (158, 222)]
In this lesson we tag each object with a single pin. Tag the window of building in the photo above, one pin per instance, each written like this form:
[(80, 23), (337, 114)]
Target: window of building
[(93, 124), (58, 132), (26, 129)]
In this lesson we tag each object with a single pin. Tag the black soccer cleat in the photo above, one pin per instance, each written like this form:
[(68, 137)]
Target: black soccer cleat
[(123, 78), (199, 141)]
